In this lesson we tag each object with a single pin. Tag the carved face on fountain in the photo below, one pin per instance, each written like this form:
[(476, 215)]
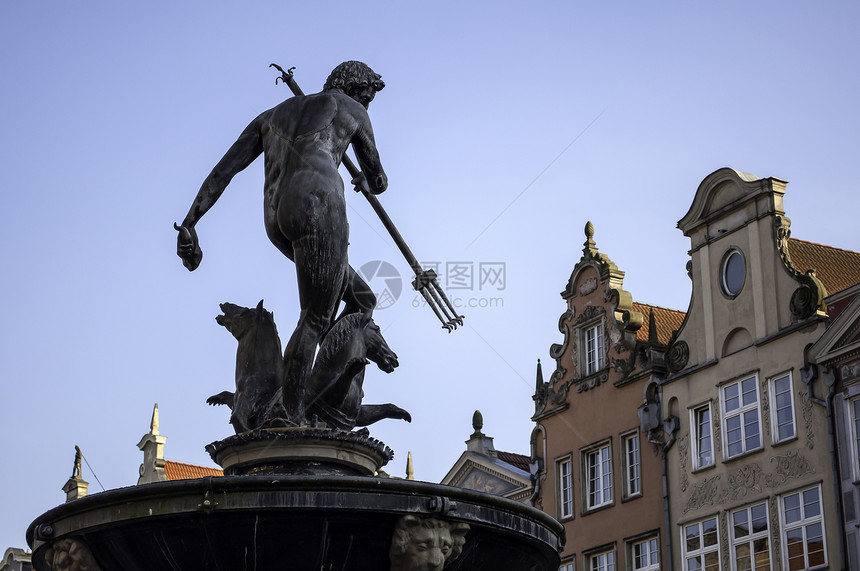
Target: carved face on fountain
[(425, 544)]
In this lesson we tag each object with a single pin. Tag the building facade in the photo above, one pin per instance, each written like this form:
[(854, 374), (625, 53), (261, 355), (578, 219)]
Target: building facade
[(751, 481), (594, 461)]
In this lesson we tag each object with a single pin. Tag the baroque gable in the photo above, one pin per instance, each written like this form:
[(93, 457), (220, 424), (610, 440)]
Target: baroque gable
[(599, 330)]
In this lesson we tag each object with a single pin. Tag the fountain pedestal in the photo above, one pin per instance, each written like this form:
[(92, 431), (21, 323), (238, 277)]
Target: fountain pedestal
[(312, 517)]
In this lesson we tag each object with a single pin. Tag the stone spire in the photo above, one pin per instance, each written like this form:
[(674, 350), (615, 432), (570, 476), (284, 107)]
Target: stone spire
[(152, 446), (410, 469)]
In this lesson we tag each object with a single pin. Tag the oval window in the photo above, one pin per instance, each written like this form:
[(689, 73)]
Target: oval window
[(734, 272)]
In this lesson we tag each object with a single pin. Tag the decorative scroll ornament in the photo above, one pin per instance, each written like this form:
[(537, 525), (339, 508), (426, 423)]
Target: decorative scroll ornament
[(677, 356), (809, 297)]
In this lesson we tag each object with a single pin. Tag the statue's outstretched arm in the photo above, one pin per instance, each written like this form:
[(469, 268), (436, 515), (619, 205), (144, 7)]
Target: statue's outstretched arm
[(242, 153)]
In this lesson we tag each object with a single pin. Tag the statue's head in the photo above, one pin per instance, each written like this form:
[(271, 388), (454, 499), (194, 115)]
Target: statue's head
[(425, 543), (356, 80)]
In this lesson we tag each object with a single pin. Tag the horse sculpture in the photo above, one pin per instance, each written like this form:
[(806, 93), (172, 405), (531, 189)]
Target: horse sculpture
[(335, 385)]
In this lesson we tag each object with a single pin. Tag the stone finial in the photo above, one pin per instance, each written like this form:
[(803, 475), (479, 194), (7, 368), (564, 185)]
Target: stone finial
[(153, 425), (477, 423), (410, 469), (589, 246)]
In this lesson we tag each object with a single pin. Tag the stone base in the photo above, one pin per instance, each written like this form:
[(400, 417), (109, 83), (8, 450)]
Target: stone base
[(300, 451)]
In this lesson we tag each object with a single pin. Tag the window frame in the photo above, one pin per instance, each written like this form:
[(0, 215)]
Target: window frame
[(599, 351), (563, 514), (854, 435), (602, 451), (803, 523), (611, 560), (724, 268), (652, 540), (774, 416), (702, 550), (751, 536), (569, 565), (741, 413), (696, 441), (627, 490)]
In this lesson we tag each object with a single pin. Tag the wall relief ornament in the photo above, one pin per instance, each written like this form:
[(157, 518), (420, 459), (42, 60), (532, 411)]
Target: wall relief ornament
[(789, 467), (776, 553), (724, 530), (704, 494), (587, 286), (806, 411), (591, 382), (765, 407), (683, 448), (748, 479)]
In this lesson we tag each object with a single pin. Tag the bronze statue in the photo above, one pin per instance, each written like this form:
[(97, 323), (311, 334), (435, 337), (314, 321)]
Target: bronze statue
[(76, 470), (304, 140)]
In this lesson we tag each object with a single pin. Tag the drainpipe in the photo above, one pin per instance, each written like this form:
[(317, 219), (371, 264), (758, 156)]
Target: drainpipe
[(807, 375), (670, 427)]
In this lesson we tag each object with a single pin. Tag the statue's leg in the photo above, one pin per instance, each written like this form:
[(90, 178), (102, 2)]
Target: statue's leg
[(321, 274), (358, 298)]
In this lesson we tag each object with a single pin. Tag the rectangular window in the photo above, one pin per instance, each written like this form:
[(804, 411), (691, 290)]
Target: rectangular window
[(632, 465), (783, 409), (855, 436), (803, 530), (602, 561), (700, 542), (598, 477), (645, 555), (564, 474), (594, 349), (750, 538), (703, 443), (741, 416), (571, 566)]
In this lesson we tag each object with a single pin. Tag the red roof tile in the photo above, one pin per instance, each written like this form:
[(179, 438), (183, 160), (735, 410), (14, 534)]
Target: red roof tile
[(665, 320), (518, 460), (837, 269), (180, 471)]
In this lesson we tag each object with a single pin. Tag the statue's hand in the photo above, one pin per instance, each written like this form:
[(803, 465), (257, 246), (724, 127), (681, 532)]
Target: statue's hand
[(187, 247), (380, 183), (359, 183)]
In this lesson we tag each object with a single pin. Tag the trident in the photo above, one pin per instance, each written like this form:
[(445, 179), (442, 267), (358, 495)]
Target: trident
[(425, 280)]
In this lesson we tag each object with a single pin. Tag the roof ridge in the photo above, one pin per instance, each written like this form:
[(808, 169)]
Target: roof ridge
[(822, 245), (659, 307)]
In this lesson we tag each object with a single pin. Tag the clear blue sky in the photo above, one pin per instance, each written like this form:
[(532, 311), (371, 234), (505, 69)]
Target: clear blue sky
[(503, 128)]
